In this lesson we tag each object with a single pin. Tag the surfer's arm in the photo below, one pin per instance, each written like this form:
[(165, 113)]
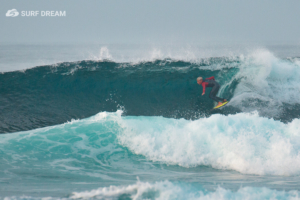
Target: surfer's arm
[(211, 78)]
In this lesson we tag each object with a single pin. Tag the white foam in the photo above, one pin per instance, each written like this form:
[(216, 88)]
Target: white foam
[(165, 190), (243, 142), (264, 77), (103, 54)]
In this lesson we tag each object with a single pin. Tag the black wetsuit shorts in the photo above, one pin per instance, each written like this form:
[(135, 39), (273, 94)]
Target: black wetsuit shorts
[(215, 88)]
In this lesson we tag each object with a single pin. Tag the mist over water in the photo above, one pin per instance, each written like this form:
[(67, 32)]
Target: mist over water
[(121, 123), (20, 57)]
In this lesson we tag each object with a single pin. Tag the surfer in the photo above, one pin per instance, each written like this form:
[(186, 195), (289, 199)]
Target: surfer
[(210, 82)]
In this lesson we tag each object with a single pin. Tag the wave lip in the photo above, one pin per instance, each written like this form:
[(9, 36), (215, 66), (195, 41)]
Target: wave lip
[(266, 83)]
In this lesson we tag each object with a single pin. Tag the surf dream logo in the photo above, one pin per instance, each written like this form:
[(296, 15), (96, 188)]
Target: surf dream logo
[(35, 13), (12, 13)]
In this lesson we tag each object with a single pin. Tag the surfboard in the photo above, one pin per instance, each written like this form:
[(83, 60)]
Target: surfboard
[(221, 105)]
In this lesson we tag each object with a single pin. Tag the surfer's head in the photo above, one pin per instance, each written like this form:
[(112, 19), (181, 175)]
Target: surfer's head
[(199, 80)]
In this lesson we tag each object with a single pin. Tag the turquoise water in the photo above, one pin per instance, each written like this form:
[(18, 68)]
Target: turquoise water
[(103, 129), (233, 154)]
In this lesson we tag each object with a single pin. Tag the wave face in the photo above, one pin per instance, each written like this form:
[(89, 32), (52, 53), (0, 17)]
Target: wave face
[(54, 94), (144, 131), (110, 149)]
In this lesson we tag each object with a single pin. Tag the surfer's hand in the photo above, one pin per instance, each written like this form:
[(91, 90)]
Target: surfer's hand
[(203, 93)]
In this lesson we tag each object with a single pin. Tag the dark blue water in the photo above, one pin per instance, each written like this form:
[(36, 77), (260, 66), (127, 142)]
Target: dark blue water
[(49, 95)]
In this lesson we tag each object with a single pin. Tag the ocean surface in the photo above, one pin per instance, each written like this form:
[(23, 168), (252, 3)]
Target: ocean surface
[(129, 122)]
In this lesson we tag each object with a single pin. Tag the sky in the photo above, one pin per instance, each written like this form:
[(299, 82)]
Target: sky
[(152, 22)]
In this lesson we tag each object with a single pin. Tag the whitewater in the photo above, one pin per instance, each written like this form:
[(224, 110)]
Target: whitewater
[(125, 124)]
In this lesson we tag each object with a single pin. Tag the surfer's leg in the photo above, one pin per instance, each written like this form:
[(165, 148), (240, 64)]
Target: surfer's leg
[(219, 99), (213, 93)]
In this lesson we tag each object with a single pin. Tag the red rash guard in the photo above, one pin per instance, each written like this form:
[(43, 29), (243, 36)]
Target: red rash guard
[(204, 84)]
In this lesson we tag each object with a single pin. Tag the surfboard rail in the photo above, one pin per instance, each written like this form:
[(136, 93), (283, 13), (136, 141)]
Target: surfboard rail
[(221, 105)]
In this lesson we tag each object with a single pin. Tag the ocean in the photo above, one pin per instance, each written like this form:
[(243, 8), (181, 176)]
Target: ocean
[(129, 122)]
